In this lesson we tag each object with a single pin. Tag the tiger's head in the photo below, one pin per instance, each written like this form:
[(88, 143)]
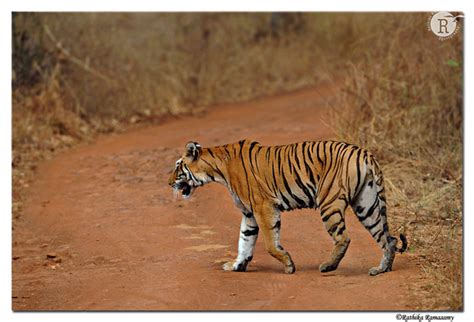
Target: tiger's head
[(190, 171)]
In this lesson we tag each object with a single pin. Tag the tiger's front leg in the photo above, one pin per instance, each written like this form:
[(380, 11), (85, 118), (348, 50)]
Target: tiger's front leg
[(268, 219), (247, 240)]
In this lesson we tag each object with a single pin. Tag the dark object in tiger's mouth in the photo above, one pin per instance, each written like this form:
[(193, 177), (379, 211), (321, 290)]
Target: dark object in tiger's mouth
[(184, 187), (186, 190)]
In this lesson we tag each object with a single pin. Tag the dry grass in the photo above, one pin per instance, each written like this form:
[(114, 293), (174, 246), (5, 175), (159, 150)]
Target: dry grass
[(123, 64), (406, 107), (77, 75), (120, 64)]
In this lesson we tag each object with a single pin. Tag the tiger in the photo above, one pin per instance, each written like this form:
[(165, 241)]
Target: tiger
[(265, 181)]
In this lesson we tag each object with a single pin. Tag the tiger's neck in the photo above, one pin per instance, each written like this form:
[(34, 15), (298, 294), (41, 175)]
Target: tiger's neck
[(217, 160), (226, 160)]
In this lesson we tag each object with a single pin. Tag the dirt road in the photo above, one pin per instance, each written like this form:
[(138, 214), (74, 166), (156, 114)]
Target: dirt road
[(102, 231)]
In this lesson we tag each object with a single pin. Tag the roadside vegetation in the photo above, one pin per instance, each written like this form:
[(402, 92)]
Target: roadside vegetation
[(404, 101)]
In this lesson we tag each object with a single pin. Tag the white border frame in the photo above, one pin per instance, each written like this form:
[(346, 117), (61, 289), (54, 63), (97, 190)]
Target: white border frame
[(210, 5)]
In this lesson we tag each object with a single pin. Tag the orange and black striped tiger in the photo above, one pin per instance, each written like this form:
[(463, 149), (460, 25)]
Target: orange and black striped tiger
[(266, 180)]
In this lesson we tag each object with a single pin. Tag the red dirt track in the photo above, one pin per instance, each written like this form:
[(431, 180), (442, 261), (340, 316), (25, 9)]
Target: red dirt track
[(117, 239)]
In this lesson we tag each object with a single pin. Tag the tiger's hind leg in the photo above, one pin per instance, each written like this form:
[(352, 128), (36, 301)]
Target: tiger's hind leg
[(371, 211), (333, 219), (247, 239)]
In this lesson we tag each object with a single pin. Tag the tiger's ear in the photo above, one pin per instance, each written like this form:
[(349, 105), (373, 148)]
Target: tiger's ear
[(193, 150)]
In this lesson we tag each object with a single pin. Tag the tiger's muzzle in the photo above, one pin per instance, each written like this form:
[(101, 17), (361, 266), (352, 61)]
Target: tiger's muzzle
[(184, 187)]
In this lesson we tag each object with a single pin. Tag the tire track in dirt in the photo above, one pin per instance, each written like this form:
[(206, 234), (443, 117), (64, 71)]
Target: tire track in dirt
[(120, 241)]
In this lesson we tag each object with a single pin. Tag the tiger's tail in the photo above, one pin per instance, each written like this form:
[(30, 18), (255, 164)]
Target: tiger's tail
[(381, 196), (404, 244)]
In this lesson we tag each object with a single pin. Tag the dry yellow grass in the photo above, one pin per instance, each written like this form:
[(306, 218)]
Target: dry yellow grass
[(76, 75)]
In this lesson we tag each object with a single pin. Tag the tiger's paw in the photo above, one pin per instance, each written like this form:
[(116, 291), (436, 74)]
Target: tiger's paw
[(327, 267), (235, 266), (290, 269), (377, 270)]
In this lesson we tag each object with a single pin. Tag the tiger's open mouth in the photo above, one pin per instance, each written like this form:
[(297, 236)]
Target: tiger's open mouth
[(185, 188), (186, 191)]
